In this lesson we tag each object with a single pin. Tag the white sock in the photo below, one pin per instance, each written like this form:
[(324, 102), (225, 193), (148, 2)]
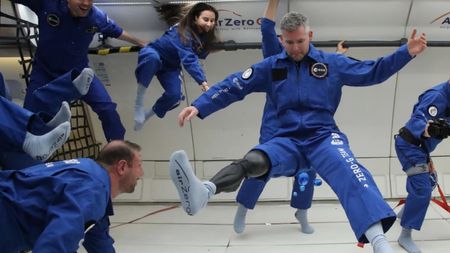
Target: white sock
[(42, 147), (139, 111), (405, 240), (193, 193), (61, 116), (376, 237), (302, 217), (239, 218), (84, 80)]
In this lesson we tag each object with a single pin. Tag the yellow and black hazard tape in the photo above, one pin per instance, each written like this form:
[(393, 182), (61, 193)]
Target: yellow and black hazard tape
[(113, 50)]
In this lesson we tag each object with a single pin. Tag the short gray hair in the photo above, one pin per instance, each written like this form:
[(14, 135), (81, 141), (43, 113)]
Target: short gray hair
[(293, 20)]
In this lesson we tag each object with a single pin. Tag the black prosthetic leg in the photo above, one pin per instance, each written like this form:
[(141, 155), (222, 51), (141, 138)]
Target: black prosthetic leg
[(254, 164)]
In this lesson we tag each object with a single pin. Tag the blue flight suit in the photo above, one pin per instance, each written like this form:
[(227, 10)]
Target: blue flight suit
[(51, 95), (48, 207), (306, 95), (433, 104), (252, 188), (163, 58), (19, 120), (16, 121), (63, 45), (13, 126)]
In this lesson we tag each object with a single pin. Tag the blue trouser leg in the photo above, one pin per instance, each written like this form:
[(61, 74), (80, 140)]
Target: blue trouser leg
[(410, 155), (284, 156), (352, 183), (148, 64), (13, 125), (172, 96), (100, 102), (419, 195), (250, 191), (48, 98), (418, 186), (252, 188), (97, 98), (303, 199), (16, 121)]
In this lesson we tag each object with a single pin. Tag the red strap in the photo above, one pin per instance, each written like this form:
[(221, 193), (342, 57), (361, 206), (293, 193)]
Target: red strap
[(360, 244), (442, 203), (400, 202)]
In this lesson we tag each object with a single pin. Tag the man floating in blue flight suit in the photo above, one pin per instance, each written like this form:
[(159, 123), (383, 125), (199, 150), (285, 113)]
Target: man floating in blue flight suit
[(427, 127), (24, 131), (51, 207), (252, 188), (66, 88), (66, 28), (305, 88)]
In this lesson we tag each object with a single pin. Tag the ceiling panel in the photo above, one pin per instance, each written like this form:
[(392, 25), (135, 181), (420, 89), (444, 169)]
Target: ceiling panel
[(355, 19)]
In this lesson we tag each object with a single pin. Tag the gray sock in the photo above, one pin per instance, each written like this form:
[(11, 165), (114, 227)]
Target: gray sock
[(149, 113), (376, 237), (84, 80), (405, 240), (239, 219), (400, 214), (139, 110), (61, 116), (42, 147), (138, 124), (193, 193), (302, 217)]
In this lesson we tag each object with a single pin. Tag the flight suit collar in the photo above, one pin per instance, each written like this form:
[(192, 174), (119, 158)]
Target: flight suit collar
[(312, 56)]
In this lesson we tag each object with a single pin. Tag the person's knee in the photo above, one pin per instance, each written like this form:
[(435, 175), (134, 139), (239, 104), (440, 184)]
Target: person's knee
[(173, 100), (258, 163)]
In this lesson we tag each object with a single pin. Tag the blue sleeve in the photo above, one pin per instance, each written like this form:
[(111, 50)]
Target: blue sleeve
[(106, 25), (421, 113), (81, 201), (234, 88), (271, 45), (98, 240), (364, 73), (34, 5), (189, 59)]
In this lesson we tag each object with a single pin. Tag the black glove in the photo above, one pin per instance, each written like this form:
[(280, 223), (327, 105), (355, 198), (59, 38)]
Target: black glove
[(439, 129)]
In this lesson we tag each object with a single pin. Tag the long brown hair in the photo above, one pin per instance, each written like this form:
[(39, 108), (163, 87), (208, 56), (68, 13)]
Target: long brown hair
[(187, 23), (172, 13)]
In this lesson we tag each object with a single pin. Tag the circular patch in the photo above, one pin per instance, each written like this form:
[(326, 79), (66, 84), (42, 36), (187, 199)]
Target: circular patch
[(247, 74), (432, 110), (319, 70), (53, 20)]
